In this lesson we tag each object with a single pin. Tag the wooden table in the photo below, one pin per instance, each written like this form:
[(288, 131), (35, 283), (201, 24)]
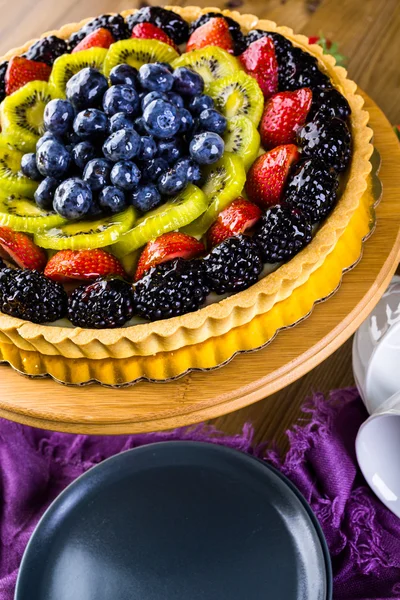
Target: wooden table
[(367, 33)]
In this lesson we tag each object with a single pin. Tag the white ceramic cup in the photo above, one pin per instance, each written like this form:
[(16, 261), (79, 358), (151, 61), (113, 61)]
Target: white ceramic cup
[(376, 365)]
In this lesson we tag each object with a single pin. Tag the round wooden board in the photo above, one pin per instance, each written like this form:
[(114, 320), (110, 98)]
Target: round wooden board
[(249, 377)]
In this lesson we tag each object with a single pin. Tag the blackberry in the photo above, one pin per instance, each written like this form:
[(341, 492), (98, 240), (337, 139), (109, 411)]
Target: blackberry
[(282, 232), (47, 49), (171, 289), (329, 140), (282, 45), (301, 70), (31, 296), (3, 69), (173, 25), (114, 23), (103, 304), (233, 265), (234, 29), (329, 102), (312, 188)]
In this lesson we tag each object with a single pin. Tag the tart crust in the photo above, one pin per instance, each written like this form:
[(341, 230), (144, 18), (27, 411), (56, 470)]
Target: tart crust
[(238, 309)]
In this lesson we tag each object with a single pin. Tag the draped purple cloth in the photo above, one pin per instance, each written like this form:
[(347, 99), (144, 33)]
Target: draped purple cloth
[(363, 536)]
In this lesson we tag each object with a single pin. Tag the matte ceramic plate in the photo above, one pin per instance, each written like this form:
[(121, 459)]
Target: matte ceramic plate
[(177, 521)]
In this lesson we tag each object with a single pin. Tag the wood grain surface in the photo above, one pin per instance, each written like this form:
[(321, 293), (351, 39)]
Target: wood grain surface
[(367, 32)]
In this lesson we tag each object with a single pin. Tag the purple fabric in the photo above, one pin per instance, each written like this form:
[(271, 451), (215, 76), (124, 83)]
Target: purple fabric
[(363, 536)]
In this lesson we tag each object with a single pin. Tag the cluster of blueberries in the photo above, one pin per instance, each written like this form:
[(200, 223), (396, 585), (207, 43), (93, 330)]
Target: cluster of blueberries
[(137, 142)]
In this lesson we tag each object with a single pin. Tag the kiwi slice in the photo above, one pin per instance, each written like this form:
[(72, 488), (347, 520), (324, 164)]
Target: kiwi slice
[(22, 114), (242, 138), (85, 235), (211, 63), (136, 52), (174, 214), (224, 181), (67, 65), (21, 214), (238, 94), (11, 178)]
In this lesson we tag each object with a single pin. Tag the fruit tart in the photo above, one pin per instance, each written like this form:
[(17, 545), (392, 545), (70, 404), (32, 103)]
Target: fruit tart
[(165, 176)]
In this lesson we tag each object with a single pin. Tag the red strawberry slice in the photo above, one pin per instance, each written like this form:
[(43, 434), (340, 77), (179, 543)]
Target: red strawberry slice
[(101, 38), (260, 62), (213, 33), (167, 247), (236, 218), (283, 115), (83, 265), (267, 176), (21, 70), (148, 31), (22, 250)]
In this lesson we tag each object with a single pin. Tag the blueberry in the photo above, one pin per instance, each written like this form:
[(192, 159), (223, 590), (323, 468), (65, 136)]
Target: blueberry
[(206, 148), (47, 136), (73, 198), (147, 98), (169, 67), (176, 99), (91, 123), (29, 167), (121, 98), (146, 197), (171, 150), (186, 121), (147, 148), (200, 103), (212, 120), (190, 168), (124, 74), (87, 88), (112, 199), (82, 153), (140, 126), (58, 116), (120, 121), (122, 145), (125, 175), (157, 77), (161, 119), (53, 159), (97, 173), (172, 182), (153, 169), (95, 211), (44, 194), (187, 82)]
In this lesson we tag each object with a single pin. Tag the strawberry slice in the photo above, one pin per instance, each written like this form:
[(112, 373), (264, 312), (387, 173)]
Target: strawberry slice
[(268, 174), (213, 33), (82, 265), (167, 247), (260, 62), (148, 31), (283, 115), (22, 250), (21, 70), (101, 38), (236, 218)]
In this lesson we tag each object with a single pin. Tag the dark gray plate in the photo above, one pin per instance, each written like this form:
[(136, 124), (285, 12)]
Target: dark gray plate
[(177, 521)]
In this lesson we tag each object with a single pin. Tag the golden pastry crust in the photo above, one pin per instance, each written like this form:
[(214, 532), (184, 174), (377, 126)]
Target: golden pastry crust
[(241, 308)]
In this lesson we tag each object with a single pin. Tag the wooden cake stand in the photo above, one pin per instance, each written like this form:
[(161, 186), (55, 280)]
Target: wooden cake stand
[(249, 377)]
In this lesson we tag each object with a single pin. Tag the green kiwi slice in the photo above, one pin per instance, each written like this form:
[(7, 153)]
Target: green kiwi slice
[(86, 235), (174, 214), (136, 52), (242, 138), (238, 94), (224, 182), (22, 114), (11, 178), (21, 214), (211, 63), (67, 65)]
